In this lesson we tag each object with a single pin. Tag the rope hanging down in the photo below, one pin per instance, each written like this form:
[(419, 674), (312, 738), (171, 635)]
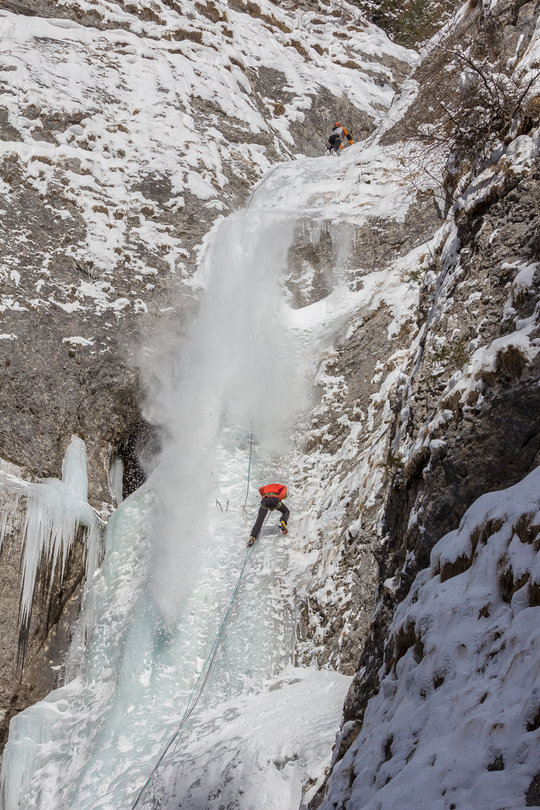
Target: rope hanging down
[(202, 680), (249, 469), (200, 684), (244, 510)]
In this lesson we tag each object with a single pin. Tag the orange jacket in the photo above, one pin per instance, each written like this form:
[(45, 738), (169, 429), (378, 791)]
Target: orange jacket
[(279, 490)]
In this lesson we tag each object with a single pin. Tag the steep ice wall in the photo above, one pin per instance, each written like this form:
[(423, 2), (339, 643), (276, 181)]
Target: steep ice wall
[(173, 555)]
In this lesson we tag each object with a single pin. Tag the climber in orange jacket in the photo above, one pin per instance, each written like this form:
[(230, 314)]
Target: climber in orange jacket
[(272, 496), (335, 141)]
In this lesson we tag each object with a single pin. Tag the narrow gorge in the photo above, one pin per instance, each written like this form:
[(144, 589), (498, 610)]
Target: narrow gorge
[(196, 300)]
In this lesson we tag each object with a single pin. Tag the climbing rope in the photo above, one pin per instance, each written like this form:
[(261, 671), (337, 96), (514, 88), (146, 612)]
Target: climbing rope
[(249, 469), (248, 515), (202, 680), (259, 186)]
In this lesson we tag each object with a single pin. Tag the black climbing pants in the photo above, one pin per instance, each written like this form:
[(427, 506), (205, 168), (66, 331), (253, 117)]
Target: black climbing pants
[(334, 143), (268, 504)]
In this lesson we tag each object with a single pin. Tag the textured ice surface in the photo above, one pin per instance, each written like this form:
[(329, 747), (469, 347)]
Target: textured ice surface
[(56, 511), (174, 551)]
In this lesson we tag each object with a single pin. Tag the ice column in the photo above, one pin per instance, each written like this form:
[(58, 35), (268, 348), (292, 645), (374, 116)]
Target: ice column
[(55, 512)]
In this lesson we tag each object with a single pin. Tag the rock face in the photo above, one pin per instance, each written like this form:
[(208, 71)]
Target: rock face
[(457, 447), (125, 130), (465, 418), (427, 395), (346, 439)]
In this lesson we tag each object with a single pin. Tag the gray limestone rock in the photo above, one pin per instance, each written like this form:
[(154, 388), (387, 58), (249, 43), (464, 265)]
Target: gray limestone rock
[(72, 320), (489, 444)]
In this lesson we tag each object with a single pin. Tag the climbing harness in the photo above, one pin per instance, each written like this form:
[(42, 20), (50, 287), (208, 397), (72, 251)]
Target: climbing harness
[(202, 680)]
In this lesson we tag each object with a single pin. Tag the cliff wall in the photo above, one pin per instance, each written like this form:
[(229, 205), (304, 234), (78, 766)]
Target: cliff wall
[(465, 423), (125, 131)]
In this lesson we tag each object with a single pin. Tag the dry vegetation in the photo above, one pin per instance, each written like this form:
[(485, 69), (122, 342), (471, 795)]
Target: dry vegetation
[(470, 100), (408, 22)]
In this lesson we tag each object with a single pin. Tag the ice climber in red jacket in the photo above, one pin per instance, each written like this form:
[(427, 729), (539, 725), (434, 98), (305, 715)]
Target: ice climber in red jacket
[(272, 496)]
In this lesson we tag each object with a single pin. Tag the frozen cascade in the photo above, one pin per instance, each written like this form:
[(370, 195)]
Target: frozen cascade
[(56, 509), (55, 512), (172, 557)]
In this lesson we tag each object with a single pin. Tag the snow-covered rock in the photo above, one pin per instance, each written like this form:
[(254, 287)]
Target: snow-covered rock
[(456, 720), (126, 130), (405, 330)]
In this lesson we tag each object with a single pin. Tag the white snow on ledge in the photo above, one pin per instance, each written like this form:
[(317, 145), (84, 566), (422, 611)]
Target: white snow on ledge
[(454, 724), (287, 730), (484, 360), (78, 341)]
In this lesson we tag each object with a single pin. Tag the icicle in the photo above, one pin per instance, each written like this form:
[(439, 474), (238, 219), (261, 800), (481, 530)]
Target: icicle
[(55, 511), (116, 475), (75, 469), (13, 489)]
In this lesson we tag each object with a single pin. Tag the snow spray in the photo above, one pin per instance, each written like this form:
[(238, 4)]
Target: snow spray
[(234, 367)]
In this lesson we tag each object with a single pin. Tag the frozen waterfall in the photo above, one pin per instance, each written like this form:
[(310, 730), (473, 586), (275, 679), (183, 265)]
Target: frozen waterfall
[(173, 553), (56, 512)]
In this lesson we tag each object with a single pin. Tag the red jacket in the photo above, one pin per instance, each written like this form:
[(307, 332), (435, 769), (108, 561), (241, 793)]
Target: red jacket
[(279, 490)]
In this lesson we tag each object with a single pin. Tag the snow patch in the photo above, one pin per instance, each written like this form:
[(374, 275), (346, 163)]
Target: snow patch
[(466, 636)]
